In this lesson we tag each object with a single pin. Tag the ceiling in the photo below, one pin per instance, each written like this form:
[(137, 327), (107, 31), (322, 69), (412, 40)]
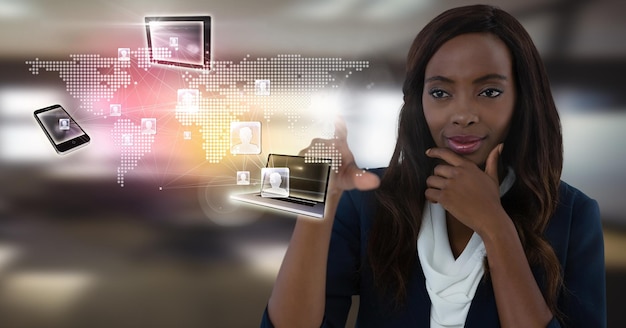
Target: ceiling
[(347, 28)]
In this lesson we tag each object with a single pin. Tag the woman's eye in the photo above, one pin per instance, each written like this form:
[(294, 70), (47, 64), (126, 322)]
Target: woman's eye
[(491, 93), (438, 93)]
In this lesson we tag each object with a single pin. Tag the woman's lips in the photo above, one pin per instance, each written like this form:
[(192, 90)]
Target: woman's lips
[(464, 144)]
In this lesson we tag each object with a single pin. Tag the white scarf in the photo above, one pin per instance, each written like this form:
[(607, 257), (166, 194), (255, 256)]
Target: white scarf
[(451, 283)]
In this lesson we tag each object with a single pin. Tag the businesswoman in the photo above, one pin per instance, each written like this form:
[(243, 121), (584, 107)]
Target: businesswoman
[(469, 225)]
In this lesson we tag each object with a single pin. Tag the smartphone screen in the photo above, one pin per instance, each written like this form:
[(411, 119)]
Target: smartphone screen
[(61, 129)]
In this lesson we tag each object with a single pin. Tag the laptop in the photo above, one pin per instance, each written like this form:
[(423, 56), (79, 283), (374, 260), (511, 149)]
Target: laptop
[(289, 184)]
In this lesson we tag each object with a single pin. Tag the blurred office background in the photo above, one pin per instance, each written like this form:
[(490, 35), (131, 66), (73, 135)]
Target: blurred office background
[(77, 250)]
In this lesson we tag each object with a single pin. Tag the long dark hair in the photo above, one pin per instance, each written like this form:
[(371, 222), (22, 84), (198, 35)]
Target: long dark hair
[(533, 148)]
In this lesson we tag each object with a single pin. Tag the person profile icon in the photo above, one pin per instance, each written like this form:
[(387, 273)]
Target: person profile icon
[(127, 139), (188, 100), (243, 177), (115, 110), (123, 54), (273, 184), (64, 124), (148, 125), (262, 87), (248, 141)]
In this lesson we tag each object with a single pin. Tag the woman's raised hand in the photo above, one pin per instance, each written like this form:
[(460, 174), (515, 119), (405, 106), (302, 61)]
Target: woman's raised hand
[(346, 174)]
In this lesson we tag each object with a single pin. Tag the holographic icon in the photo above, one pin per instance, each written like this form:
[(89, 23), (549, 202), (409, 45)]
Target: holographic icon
[(243, 178), (245, 137), (262, 87), (127, 139), (64, 124), (115, 110), (275, 182), (173, 41), (188, 100), (123, 54), (187, 135), (148, 125)]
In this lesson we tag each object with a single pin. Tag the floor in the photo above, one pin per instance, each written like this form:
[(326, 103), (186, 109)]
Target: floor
[(125, 266)]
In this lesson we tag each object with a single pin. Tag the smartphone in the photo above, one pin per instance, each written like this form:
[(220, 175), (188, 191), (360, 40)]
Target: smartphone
[(63, 132)]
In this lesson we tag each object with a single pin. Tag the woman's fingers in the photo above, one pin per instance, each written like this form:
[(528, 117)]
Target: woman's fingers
[(361, 179), (436, 182), (345, 174)]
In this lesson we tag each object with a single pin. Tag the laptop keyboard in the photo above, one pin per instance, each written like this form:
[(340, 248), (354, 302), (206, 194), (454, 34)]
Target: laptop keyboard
[(297, 201)]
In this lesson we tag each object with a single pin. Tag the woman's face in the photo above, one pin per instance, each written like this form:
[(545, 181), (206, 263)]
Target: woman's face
[(469, 95)]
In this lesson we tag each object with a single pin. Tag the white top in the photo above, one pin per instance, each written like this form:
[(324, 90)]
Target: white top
[(451, 283)]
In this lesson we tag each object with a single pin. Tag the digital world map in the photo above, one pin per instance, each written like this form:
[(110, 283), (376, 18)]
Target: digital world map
[(257, 89)]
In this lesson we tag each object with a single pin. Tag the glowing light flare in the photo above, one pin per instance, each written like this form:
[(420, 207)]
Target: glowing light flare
[(8, 255), (325, 107), (372, 127), (11, 151), (20, 103), (15, 9), (46, 294), (264, 260), (383, 11)]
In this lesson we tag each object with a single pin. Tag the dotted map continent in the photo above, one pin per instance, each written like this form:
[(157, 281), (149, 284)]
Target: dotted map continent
[(226, 93)]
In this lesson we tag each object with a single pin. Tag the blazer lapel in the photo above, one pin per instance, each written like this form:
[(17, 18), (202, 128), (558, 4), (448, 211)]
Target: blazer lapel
[(423, 300), (483, 311)]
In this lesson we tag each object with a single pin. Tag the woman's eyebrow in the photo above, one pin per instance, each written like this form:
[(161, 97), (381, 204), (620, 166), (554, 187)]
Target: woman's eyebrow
[(438, 78), (488, 77), (484, 78)]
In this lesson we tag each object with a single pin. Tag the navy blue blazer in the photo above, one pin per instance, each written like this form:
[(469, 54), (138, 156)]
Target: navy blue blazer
[(575, 233)]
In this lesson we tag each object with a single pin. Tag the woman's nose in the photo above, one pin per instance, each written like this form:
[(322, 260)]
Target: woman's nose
[(464, 115)]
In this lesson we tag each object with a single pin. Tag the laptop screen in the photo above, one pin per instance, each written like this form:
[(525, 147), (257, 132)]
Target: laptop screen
[(306, 180)]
